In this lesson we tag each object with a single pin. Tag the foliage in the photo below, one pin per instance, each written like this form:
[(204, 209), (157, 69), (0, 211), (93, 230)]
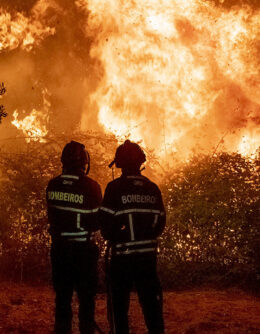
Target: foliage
[(2, 110), (23, 223), (212, 205), (213, 217)]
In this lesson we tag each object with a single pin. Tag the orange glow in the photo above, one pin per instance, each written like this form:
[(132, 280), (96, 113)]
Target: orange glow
[(21, 31), (31, 126), (169, 66), (176, 75), (34, 126), (249, 144)]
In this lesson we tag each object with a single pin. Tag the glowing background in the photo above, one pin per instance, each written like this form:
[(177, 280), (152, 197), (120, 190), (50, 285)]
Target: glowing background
[(177, 74)]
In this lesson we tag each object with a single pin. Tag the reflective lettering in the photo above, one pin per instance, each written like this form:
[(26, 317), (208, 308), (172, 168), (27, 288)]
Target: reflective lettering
[(67, 197), (137, 198)]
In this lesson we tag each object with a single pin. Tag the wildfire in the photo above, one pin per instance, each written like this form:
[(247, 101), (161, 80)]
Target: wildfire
[(21, 31), (31, 126), (170, 66), (34, 126), (249, 144), (173, 74)]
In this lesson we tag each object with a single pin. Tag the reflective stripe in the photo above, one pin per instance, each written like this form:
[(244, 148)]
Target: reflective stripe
[(65, 176), (145, 250), (107, 210), (65, 208), (78, 222), (78, 239), (140, 177), (131, 226), (139, 211), (133, 243), (155, 220), (64, 234)]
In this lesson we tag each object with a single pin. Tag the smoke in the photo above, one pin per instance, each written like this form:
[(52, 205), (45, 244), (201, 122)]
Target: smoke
[(176, 74), (15, 6), (55, 59), (238, 3)]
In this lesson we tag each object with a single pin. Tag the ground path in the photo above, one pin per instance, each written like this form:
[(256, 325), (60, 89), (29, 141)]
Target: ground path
[(28, 309)]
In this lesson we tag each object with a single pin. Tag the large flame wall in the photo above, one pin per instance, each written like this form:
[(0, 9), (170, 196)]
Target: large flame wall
[(176, 74)]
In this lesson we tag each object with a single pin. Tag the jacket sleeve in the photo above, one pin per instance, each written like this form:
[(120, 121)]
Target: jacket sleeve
[(160, 225), (50, 215), (107, 213)]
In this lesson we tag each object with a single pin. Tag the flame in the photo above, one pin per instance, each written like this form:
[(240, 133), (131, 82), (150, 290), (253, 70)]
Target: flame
[(249, 144), (120, 127), (171, 66), (21, 31), (173, 74), (34, 126), (31, 126)]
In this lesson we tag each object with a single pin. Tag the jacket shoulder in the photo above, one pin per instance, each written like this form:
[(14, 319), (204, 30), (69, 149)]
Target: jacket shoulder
[(114, 182), (93, 183), (54, 180), (150, 182)]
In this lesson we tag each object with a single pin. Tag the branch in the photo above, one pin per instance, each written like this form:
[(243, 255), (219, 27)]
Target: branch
[(3, 113)]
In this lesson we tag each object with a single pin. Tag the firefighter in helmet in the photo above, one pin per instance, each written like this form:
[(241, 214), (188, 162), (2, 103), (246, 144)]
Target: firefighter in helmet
[(132, 216), (73, 200)]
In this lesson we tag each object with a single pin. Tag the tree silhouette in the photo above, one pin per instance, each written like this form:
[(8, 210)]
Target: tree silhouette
[(3, 113)]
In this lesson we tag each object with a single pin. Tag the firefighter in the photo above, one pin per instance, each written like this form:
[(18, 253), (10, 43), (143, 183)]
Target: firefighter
[(132, 217), (73, 200)]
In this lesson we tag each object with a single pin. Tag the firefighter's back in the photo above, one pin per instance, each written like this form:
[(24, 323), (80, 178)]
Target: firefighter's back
[(72, 204), (73, 200), (132, 216), (138, 214)]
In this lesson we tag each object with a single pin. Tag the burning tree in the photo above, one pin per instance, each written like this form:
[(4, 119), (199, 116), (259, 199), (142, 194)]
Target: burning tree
[(2, 110)]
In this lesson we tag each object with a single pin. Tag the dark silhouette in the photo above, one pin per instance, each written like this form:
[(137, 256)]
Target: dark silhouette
[(3, 113), (73, 200), (132, 216)]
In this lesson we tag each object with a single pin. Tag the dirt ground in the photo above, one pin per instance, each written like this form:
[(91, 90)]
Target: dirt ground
[(26, 310)]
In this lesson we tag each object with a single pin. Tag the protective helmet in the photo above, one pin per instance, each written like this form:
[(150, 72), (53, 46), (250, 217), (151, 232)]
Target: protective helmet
[(74, 155), (129, 155)]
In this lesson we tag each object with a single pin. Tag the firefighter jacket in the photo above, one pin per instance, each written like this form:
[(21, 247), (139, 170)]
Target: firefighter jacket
[(132, 215), (73, 201)]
